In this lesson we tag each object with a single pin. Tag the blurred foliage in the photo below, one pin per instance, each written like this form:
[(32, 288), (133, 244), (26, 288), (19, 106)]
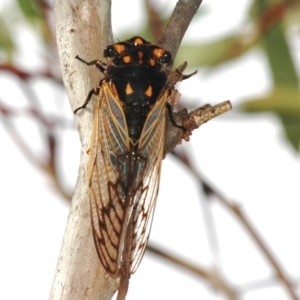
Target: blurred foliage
[(31, 10), (6, 42), (267, 24), (270, 24)]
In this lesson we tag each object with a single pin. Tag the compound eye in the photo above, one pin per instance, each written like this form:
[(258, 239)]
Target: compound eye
[(165, 58), (110, 51)]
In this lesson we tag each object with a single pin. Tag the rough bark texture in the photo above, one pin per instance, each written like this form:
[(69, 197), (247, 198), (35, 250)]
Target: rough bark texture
[(82, 28)]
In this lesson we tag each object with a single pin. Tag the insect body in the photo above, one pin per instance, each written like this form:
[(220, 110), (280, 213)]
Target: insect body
[(126, 150)]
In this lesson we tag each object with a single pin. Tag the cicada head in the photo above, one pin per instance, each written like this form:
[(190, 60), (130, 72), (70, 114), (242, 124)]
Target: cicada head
[(137, 52)]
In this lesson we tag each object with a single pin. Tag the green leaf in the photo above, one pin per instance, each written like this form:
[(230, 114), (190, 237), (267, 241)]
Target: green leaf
[(285, 103), (6, 42), (31, 10), (279, 56), (280, 100), (216, 52), (270, 17), (291, 126), (284, 100), (34, 11)]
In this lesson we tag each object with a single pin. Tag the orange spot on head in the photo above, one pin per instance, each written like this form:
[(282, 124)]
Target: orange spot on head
[(158, 52), (138, 41), (127, 59), (149, 91), (119, 48), (129, 89)]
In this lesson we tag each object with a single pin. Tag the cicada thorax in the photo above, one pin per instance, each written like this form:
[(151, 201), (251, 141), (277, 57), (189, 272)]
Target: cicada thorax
[(136, 72)]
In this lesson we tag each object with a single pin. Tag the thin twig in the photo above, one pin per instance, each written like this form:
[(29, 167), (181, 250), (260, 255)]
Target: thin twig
[(211, 277), (241, 216), (261, 244), (192, 121)]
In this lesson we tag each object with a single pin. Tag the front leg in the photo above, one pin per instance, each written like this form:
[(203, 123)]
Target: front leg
[(99, 64)]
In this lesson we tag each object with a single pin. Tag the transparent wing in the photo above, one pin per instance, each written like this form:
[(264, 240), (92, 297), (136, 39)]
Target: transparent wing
[(123, 184), (107, 194), (150, 147)]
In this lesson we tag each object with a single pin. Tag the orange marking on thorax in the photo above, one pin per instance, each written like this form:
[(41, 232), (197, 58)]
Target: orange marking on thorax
[(129, 89), (148, 92), (127, 59), (151, 62)]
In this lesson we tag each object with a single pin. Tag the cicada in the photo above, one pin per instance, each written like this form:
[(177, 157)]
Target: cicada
[(126, 150)]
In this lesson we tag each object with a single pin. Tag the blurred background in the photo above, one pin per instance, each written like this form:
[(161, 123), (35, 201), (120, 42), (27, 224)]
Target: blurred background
[(228, 209)]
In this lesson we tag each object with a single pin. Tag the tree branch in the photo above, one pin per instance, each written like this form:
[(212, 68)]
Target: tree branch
[(210, 276), (180, 20), (82, 27)]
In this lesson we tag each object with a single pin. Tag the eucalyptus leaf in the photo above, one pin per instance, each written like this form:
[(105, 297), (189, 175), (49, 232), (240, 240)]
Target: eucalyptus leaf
[(285, 103), (6, 42)]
